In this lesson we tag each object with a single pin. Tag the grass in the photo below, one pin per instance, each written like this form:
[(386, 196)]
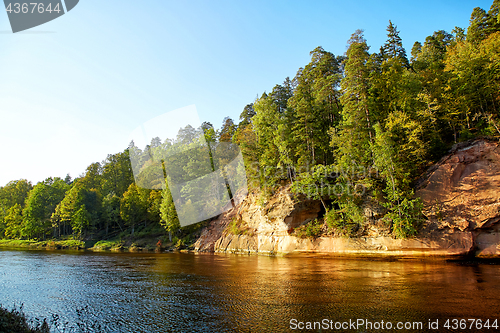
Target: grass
[(108, 245), (69, 244), (16, 243), (145, 238)]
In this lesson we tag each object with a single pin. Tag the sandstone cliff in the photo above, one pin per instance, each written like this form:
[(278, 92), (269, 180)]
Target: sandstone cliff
[(461, 203)]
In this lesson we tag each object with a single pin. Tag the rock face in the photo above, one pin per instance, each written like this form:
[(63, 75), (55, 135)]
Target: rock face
[(462, 193), (462, 204)]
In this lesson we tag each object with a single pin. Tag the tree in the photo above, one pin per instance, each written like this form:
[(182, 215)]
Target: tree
[(111, 211), (393, 48), (493, 19), (154, 203), (40, 205), (93, 177), (13, 221), (389, 77), (68, 180), (133, 206), (434, 111), (403, 208), (351, 140), (266, 123), (15, 192), (78, 200), (81, 220), (246, 115), (169, 219), (477, 30), (315, 107), (227, 130), (415, 51), (473, 93), (117, 173), (246, 139)]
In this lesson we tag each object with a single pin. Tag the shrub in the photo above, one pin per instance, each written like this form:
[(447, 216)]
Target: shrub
[(309, 230), (15, 321), (341, 224)]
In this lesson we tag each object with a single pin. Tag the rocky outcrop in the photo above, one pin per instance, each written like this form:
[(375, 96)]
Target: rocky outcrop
[(462, 193), (462, 204)]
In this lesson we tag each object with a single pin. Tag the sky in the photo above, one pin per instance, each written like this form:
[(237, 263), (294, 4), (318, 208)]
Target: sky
[(74, 89)]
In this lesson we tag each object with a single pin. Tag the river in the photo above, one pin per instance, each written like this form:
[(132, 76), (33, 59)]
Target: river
[(177, 292)]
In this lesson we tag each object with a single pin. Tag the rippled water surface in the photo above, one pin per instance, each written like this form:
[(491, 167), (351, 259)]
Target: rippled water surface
[(215, 293)]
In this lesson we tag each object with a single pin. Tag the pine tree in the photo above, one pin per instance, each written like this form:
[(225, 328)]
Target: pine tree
[(493, 18), (403, 209), (316, 107), (169, 219), (478, 25), (352, 140), (353, 137), (393, 47)]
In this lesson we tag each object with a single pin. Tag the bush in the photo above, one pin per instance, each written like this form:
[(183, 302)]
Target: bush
[(310, 230), (342, 225), (15, 321), (239, 227), (234, 227)]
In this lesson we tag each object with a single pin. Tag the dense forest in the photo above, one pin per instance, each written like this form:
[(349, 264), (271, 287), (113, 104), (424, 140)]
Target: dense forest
[(346, 130)]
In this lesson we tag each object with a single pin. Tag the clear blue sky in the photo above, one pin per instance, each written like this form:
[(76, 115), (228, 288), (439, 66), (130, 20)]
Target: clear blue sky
[(72, 90)]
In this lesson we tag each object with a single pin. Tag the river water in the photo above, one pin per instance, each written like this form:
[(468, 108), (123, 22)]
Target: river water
[(176, 292)]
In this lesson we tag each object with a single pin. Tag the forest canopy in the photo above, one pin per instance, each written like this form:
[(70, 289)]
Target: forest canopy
[(347, 130)]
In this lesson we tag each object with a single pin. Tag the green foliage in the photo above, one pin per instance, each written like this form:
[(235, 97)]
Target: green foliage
[(117, 174), (316, 107), (13, 222), (316, 184), (227, 130), (266, 122), (133, 205), (351, 140), (153, 206), (473, 93), (404, 210), (80, 209), (169, 219), (239, 227), (346, 220), (312, 229), (15, 321), (234, 228), (352, 129), (12, 194), (40, 205)]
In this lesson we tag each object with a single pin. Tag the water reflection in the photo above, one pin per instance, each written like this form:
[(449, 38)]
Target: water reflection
[(208, 293)]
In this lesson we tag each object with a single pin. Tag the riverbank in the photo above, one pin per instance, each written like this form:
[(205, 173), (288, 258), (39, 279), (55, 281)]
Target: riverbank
[(49, 244), (154, 242), (461, 219)]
